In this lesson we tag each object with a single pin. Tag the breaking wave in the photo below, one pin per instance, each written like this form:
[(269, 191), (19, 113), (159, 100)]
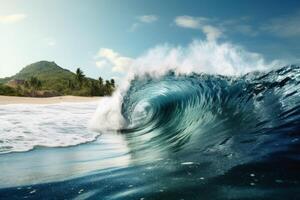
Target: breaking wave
[(204, 99)]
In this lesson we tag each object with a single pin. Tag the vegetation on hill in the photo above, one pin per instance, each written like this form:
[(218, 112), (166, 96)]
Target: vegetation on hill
[(43, 79)]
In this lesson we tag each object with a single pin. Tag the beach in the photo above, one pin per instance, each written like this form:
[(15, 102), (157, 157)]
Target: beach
[(4, 100)]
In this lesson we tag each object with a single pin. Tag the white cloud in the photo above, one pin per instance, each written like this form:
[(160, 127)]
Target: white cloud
[(148, 18), (101, 63), (214, 28), (285, 26), (189, 22), (107, 53), (13, 18), (109, 57), (144, 19), (212, 33), (121, 64)]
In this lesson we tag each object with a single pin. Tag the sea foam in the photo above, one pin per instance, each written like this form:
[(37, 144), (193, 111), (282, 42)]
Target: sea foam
[(25, 126)]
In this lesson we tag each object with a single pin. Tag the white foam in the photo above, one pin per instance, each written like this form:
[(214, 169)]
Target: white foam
[(24, 126), (187, 163), (108, 115), (200, 56)]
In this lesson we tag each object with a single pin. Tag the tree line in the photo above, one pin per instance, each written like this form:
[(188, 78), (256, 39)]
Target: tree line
[(79, 85), (97, 87)]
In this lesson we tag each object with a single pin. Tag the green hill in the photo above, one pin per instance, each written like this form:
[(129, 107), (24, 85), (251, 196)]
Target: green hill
[(44, 70), (54, 80), (53, 77)]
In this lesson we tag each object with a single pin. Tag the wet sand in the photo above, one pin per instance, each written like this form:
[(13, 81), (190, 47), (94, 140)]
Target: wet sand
[(4, 100)]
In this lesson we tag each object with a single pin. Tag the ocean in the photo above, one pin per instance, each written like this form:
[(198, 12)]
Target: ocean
[(173, 136)]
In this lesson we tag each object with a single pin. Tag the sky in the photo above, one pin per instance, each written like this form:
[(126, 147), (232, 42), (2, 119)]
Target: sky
[(103, 37)]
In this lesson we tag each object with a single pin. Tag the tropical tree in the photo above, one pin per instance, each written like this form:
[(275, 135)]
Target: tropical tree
[(107, 83), (79, 76), (71, 84), (112, 83), (26, 84), (100, 81), (94, 88), (35, 83), (107, 88)]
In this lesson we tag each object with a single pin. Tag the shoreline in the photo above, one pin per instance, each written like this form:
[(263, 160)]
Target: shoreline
[(6, 100)]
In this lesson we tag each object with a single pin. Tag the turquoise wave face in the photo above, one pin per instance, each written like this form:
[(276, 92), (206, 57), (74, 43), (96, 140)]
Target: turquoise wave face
[(201, 117)]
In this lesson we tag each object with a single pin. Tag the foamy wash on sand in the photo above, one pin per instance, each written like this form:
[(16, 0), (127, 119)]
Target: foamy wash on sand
[(197, 123), (26, 126)]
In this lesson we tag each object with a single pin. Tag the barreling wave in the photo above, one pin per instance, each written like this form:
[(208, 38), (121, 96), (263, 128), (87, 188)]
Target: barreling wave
[(202, 112), (243, 117), (213, 105), (198, 57)]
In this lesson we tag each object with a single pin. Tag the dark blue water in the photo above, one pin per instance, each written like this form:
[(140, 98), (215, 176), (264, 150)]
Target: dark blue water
[(198, 136)]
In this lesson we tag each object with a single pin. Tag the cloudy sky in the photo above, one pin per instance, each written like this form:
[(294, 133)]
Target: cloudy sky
[(103, 37)]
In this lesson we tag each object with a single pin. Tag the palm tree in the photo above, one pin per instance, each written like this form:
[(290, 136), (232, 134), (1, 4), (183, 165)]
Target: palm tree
[(112, 83), (79, 76), (100, 81)]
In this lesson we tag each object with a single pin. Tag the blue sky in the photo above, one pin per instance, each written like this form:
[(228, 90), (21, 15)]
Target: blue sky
[(103, 36)]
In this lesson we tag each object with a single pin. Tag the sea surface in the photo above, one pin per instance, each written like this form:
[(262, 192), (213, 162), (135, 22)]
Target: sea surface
[(179, 136)]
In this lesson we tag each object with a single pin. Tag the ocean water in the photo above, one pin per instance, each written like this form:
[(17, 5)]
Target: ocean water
[(172, 136)]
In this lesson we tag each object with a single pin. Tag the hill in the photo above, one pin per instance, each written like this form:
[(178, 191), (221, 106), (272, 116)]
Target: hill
[(41, 70), (44, 70), (48, 79)]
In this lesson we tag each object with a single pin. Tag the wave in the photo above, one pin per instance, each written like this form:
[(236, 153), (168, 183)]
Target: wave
[(226, 136), (245, 117), (215, 107), (209, 57)]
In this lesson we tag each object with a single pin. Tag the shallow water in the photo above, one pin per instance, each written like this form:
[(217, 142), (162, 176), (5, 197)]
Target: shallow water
[(56, 164), (186, 137), (25, 126)]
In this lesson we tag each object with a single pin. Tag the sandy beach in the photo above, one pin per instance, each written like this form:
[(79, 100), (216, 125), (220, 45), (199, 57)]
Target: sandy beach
[(45, 100)]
